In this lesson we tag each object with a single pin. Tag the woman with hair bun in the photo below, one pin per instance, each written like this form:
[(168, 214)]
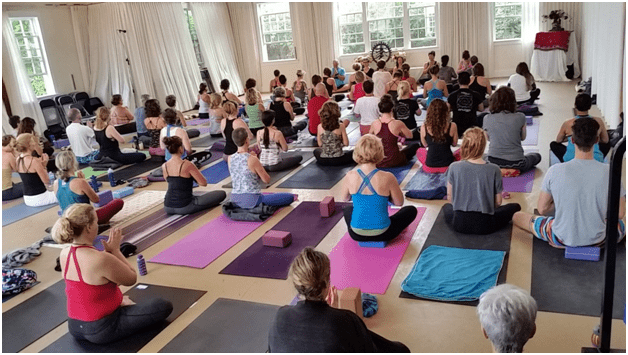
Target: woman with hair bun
[(97, 310), (33, 172), (315, 324), (181, 175)]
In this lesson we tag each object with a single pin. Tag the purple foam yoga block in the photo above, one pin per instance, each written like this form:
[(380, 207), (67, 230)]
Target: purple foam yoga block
[(277, 239), (125, 191), (583, 253), (328, 206), (105, 197), (372, 244)]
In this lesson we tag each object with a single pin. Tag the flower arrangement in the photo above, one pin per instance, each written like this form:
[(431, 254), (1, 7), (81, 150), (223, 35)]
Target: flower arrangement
[(556, 16)]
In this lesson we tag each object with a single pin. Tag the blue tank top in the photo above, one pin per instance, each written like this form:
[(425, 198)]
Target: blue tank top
[(434, 93), (68, 197), (570, 154), (168, 155), (370, 212)]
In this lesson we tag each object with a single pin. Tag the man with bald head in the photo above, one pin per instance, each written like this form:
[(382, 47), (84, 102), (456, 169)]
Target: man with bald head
[(81, 138), (338, 73)]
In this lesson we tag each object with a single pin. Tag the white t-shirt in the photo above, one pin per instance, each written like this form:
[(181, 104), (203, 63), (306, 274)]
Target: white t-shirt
[(367, 108), (380, 79), (81, 139), (518, 84)]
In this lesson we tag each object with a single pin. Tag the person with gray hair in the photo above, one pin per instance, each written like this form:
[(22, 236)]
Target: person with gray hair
[(507, 314), (82, 138), (140, 115)]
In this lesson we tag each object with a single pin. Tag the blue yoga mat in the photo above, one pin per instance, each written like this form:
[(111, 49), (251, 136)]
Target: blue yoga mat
[(21, 211), (424, 181), (215, 173), (453, 274), (400, 172)]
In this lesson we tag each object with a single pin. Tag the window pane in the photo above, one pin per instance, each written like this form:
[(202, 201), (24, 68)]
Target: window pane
[(38, 85), (279, 51), (349, 7), (272, 8), (507, 20)]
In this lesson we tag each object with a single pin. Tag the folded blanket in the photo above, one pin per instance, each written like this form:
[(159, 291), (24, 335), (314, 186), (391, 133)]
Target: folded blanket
[(104, 164), (256, 214)]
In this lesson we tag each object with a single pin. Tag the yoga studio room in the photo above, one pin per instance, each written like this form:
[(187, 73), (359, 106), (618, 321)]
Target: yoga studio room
[(313, 177)]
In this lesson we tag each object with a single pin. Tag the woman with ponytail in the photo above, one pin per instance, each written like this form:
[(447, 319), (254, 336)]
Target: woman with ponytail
[(271, 142), (71, 189), (181, 175), (97, 310), (315, 323), (33, 172)]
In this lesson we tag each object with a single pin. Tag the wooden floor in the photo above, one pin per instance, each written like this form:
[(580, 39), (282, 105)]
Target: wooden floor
[(422, 325)]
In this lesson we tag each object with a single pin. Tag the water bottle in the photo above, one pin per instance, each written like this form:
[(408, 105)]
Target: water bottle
[(141, 265), (94, 183), (112, 180), (141, 145), (51, 178)]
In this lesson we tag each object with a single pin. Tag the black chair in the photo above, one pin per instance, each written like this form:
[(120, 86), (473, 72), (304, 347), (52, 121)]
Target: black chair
[(80, 98), (64, 102), (93, 104), (55, 122), (85, 116)]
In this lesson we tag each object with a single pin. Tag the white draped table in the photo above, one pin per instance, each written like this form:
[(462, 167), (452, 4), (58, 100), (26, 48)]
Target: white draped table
[(552, 65)]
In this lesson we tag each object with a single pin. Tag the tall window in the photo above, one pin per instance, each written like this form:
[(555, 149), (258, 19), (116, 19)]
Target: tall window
[(401, 25), (33, 54), (508, 17), (197, 48), (276, 31)]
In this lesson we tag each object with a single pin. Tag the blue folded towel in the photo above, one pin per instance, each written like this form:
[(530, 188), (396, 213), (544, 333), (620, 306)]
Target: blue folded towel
[(369, 305), (453, 274), (434, 194)]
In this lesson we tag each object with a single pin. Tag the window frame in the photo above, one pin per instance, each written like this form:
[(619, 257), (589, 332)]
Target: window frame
[(38, 35), (260, 29), (407, 41), (494, 18)]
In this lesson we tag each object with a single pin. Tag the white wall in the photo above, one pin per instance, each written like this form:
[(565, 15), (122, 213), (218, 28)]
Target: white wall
[(56, 27)]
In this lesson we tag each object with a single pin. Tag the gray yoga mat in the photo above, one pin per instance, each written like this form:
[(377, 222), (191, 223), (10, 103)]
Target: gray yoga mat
[(21, 211), (314, 176), (574, 286), (34, 318), (278, 175), (205, 141), (442, 234), (227, 326), (181, 298)]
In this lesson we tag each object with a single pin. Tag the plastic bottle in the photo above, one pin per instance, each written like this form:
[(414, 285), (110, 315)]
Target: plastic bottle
[(94, 183), (51, 178), (112, 180), (141, 265)]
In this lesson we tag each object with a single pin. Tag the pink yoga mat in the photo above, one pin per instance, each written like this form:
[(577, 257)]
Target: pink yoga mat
[(521, 183), (370, 269), (207, 243)]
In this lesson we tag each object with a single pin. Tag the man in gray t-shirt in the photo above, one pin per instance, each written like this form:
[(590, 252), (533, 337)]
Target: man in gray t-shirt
[(578, 191)]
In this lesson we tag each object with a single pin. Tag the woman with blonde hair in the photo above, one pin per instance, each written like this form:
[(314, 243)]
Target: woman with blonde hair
[(10, 191), (331, 137), (33, 172), (474, 190), (109, 139), (315, 324), (254, 108), (299, 87), (71, 189), (406, 107), (357, 68), (357, 90), (391, 86), (371, 189), (438, 135), (97, 310), (216, 115), (229, 124)]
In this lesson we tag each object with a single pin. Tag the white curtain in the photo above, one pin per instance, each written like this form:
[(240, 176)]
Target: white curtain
[(529, 28), (245, 41), (466, 26), (314, 35), (215, 36), (81, 37), (22, 98)]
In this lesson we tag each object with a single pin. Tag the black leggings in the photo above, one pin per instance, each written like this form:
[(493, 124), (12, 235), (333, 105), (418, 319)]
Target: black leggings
[(534, 94), (193, 132), (528, 162), (125, 321), (478, 222), (560, 149), (16, 191), (292, 130), (410, 150), (286, 163), (199, 203), (125, 158), (344, 159), (398, 222)]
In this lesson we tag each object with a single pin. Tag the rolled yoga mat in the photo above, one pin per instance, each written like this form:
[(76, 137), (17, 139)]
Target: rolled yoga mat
[(134, 170), (425, 181), (400, 172), (443, 235), (314, 176), (21, 211), (34, 318), (227, 326), (370, 269), (182, 299), (278, 175), (521, 183), (307, 227), (532, 133), (570, 286)]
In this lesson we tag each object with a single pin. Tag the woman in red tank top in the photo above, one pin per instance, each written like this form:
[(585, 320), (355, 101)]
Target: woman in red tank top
[(97, 310), (390, 130)]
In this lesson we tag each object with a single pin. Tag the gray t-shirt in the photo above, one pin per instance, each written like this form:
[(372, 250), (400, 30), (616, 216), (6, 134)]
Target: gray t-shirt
[(447, 74), (474, 186), (580, 192), (504, 134)]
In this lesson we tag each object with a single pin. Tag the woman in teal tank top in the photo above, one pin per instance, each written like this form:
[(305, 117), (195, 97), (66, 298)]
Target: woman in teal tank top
[(371, 189), (254, 108)]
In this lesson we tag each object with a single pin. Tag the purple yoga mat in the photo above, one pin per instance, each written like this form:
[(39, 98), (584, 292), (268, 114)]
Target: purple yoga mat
[(197, 121), (203, 129), (521, 183), (308, 228), (207, 243), (532, 133), (370, 269)]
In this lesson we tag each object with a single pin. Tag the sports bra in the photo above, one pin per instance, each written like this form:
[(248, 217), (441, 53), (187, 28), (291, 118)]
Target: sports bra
[(370, 212)]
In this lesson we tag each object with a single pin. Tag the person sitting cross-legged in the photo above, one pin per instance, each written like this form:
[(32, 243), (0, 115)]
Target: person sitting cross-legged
[(332, 136), (271, 142), (577, 191), (82, 138)]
